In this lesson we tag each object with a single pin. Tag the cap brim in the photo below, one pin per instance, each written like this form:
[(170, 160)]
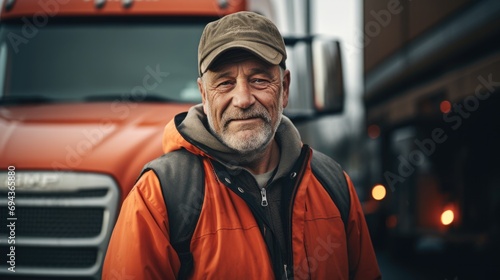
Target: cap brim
[(263, 51)]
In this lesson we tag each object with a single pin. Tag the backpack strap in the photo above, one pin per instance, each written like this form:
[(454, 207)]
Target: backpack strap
[(181, 176), (331, 175)]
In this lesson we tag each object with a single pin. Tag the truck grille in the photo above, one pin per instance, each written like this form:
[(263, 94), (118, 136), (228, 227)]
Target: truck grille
[(53, 257), (63, 226), (57, 222)]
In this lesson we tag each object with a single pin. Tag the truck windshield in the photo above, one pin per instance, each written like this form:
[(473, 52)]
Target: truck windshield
[(93, 62)]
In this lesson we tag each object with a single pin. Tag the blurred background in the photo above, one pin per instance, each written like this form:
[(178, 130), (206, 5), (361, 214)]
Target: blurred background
[(402, 93), (423, 79)]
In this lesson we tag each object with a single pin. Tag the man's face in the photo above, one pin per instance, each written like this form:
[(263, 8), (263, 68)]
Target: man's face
[(244, 102)]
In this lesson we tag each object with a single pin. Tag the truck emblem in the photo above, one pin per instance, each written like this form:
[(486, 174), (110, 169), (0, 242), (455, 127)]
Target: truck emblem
[(31, 181)]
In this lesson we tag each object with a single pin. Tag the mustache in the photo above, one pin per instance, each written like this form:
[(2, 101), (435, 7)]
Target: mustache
[(257, 112)]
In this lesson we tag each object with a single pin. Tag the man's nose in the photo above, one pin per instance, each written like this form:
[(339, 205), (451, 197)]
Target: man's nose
[(243, 97)]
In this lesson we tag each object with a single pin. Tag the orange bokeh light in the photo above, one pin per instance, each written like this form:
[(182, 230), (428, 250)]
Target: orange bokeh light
[(379, 192), (391, 221), (445, 106), (447, 217)]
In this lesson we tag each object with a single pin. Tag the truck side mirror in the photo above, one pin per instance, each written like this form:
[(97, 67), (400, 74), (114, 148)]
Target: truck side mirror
[(328, 94), (317, 86)]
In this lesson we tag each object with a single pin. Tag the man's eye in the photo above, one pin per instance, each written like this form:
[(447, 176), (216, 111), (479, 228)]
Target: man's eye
[(224, 83), (259, 81)]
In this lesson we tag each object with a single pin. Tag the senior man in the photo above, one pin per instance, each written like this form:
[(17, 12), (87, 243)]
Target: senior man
[(263, 206)]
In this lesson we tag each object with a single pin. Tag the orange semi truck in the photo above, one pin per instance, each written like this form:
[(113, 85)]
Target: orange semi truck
[(86, 88)]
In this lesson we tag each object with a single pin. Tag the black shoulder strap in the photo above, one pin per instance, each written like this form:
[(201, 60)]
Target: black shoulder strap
[(182, 179), (331, 176)]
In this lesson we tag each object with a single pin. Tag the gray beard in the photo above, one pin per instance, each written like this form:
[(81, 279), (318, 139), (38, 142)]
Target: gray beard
[(248, 149)]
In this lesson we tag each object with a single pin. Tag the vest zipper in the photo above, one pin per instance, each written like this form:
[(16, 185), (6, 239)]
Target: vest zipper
[(264, 197), (258, 212)]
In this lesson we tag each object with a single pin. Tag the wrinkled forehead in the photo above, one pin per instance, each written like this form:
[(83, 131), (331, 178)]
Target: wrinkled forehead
[(238, 56)]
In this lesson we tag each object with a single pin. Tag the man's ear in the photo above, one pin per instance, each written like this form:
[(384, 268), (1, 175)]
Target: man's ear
[(203, 93), (286, 87)]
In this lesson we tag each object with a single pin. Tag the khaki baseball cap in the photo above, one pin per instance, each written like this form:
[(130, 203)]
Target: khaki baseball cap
[(243, 30)]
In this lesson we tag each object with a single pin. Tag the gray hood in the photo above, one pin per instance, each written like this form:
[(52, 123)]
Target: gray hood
[(194, 128)]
